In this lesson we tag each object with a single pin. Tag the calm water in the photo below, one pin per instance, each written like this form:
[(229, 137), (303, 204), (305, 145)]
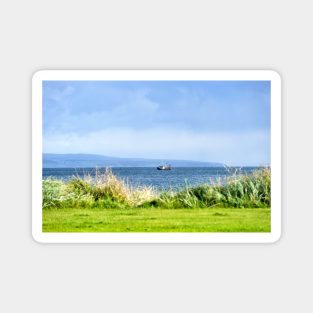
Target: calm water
[(138, 176)]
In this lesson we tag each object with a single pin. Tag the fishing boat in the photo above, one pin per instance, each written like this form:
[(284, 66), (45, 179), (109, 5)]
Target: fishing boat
[(167, 167)]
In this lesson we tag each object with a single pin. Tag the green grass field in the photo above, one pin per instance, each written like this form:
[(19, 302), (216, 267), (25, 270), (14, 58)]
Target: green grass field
[(157, 220)]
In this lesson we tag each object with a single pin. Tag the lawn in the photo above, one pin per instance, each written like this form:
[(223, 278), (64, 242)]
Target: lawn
[(157, 220)]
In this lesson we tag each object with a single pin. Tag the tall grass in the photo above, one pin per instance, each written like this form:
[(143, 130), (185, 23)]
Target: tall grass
[(107, 191), (239, 191), (104, 190)]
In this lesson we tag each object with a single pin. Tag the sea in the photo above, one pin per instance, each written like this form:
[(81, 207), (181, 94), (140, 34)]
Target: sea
[(176, 178)]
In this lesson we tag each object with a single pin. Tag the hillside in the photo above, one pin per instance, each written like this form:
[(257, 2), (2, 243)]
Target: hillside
[(92, 160)]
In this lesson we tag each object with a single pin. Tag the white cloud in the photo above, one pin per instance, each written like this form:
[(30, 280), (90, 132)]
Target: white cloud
[(59, 95)]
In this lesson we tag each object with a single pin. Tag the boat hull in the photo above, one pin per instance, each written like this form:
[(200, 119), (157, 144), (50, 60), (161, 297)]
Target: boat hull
[(164, 168)]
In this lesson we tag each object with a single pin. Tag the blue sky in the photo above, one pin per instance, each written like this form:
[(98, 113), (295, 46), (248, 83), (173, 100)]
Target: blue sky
[(218, 121)]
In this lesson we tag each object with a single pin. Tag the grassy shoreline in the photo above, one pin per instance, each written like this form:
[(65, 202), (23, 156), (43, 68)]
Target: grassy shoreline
[(107, 191), (108, 204)]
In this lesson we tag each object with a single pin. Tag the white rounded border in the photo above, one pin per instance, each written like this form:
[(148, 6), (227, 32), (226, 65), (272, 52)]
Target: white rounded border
[(235, 75)]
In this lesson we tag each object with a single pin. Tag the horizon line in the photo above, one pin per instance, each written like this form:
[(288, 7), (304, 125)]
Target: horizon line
[(144, 158)]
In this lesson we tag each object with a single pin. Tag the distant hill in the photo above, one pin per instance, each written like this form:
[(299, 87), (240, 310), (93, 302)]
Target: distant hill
[(92, 160)]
